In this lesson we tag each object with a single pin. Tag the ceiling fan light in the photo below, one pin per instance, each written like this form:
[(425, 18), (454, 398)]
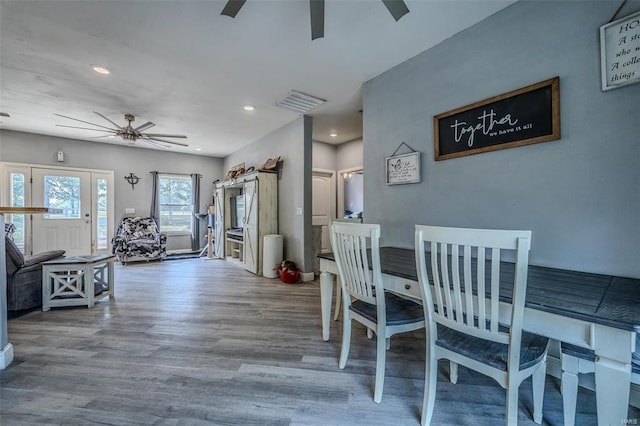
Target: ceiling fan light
[(249, 107)]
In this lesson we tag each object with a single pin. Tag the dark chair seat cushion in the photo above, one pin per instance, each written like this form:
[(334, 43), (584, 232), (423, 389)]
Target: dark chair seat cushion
[(399, 310), (532, 348)]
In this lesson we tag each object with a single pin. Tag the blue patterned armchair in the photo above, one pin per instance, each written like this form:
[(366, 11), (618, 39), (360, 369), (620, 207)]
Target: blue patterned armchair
[(138, 238)]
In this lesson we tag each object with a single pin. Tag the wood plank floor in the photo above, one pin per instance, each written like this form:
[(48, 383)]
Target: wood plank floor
[(203, 342)]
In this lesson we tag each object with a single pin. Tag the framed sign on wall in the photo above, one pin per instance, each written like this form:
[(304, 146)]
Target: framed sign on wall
[(521, 117), (404, 168), (620, 52)]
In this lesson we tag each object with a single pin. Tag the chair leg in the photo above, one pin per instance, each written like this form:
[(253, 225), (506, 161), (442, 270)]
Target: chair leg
[(569, 392), (430, 381), (338, 299), (453, 372), (512, 402), (381, 354), (346, 339), (538, 379)]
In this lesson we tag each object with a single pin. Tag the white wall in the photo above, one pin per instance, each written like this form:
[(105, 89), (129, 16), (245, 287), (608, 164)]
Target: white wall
[(39, 149), (293, 143), (580, 195)]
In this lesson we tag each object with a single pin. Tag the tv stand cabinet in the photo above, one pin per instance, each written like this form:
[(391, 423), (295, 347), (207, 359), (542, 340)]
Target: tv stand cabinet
[(244, 246), (235, 242)]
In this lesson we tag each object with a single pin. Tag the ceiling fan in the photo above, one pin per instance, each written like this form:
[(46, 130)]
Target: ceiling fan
[(397, 9), (128, 132)]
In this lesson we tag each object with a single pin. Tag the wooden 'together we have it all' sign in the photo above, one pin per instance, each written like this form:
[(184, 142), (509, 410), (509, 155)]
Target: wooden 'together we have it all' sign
[(521, 117)]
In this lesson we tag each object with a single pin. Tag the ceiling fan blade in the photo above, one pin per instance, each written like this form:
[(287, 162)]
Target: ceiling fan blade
[(316, 12), (232, 8), (144, 126), (109, 120), (397, 8), (163, 141), (155, 143), (160, 135), (86, 128), (86, 122)]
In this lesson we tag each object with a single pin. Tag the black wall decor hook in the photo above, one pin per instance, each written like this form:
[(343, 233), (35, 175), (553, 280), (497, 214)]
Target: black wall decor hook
[(132, 179)]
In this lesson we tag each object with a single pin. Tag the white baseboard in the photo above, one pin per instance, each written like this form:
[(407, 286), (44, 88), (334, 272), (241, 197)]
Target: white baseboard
[(307, 276), (6, 356)]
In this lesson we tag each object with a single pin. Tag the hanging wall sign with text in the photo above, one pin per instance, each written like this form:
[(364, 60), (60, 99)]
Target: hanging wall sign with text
[(521, 117), (620, 52)]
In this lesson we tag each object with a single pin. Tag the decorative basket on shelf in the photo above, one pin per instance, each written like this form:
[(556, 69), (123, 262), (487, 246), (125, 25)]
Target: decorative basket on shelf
[(288, 272)]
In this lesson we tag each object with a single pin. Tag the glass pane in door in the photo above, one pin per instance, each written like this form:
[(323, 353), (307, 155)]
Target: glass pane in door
[(17, 200), (101, 223), (62, 192)]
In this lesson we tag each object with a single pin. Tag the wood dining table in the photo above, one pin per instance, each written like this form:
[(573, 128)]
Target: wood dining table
[(599, 312)]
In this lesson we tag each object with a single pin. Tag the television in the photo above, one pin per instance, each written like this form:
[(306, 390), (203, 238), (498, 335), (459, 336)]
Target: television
[(237, 212)]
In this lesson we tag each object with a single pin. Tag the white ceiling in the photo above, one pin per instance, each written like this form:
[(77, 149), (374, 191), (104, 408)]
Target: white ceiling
[(183, 66)]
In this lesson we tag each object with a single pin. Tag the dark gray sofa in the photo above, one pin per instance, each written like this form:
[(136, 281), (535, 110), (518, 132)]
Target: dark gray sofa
[(24, 276)]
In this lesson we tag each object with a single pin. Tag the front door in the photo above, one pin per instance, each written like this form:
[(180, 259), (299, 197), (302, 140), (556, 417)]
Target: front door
[(70, 230)]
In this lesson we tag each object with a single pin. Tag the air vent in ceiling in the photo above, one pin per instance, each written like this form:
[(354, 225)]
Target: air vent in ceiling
[(299, 102)]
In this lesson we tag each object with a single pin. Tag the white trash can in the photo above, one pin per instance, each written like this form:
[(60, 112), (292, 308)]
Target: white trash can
[(271, 255)]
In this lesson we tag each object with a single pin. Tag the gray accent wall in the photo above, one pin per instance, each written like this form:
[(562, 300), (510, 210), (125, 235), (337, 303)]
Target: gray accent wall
[(293, 143), (580, 195), (31, 148), (349, 154), (324, 156)]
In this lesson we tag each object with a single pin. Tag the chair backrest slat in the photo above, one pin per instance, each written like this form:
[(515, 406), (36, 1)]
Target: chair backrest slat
[(455, 275), (468, 284), (495, 289), (436, 278), (466, 305), (480, 279)]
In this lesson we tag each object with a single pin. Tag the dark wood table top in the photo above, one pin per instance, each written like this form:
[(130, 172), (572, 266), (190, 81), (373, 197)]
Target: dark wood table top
[(601, 299)]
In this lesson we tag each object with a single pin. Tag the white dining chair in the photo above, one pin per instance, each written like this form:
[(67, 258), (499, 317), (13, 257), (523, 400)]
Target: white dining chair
[(466, 322), (577, 360), (363, 296)]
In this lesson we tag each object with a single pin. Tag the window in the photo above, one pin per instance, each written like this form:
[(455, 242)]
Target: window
[(103, 214), (175, 203), (63, 193), (17, 200)]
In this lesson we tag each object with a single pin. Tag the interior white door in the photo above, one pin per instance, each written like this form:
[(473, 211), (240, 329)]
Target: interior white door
[(250, 229), (69, 191), (323, 203)]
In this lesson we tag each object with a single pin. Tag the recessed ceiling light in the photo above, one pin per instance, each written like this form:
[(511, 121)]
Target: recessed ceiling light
[(248, 107), (333, 135), (198, 149), (101, 70)]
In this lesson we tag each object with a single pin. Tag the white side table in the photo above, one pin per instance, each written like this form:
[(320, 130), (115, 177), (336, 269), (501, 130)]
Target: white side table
[(73, 281)]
